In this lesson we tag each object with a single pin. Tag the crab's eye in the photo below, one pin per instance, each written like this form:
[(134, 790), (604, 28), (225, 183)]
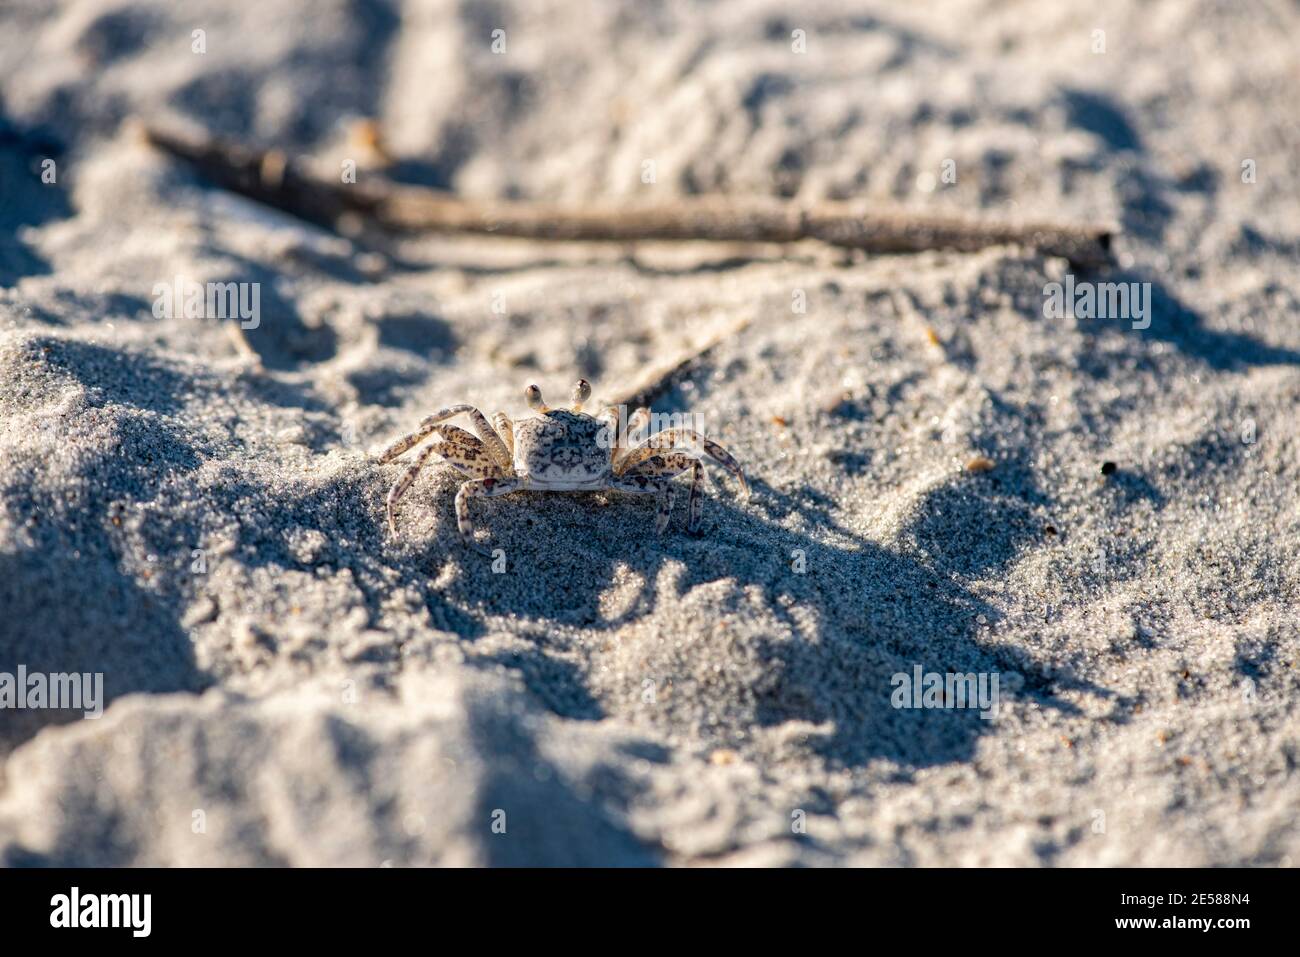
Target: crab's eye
[(534, 397), (581, 393)]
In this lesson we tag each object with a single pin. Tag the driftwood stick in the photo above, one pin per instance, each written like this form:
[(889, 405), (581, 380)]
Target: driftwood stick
[(269, 176), (726, 220)]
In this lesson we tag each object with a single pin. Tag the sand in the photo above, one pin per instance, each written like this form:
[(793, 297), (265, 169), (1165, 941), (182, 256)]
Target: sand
[(289, 684)]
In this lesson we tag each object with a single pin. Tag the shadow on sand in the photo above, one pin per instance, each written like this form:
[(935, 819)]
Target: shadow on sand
[(879, 611), (25, 199)]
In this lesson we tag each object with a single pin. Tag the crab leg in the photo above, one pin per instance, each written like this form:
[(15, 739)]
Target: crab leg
[(676, 438), (608, 417), (695, 504), (482, 488), (668, 465), (458, 448), (506, 429), (491, 441), (646, 485), (637, 422)]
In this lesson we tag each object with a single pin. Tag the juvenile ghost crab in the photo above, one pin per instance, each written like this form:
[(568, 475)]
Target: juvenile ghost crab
[(559, 450)]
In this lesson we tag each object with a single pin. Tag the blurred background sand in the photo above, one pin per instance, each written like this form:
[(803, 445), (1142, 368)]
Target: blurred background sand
[(290, 685)]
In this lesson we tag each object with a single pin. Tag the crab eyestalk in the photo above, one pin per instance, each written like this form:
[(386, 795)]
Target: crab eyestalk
[(581, 393), (534, 397)]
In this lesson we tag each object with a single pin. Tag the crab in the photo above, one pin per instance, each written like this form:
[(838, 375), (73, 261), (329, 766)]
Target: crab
[(559, 450)]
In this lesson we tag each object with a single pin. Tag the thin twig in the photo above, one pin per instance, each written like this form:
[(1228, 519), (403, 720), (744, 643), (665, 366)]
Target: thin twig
[(655, 379), (271, 177)]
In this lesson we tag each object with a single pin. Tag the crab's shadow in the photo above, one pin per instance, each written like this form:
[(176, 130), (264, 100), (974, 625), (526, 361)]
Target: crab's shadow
[(850, 614)]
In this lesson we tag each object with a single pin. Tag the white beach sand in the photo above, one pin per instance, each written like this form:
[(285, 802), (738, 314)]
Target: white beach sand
[(287, 684)]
